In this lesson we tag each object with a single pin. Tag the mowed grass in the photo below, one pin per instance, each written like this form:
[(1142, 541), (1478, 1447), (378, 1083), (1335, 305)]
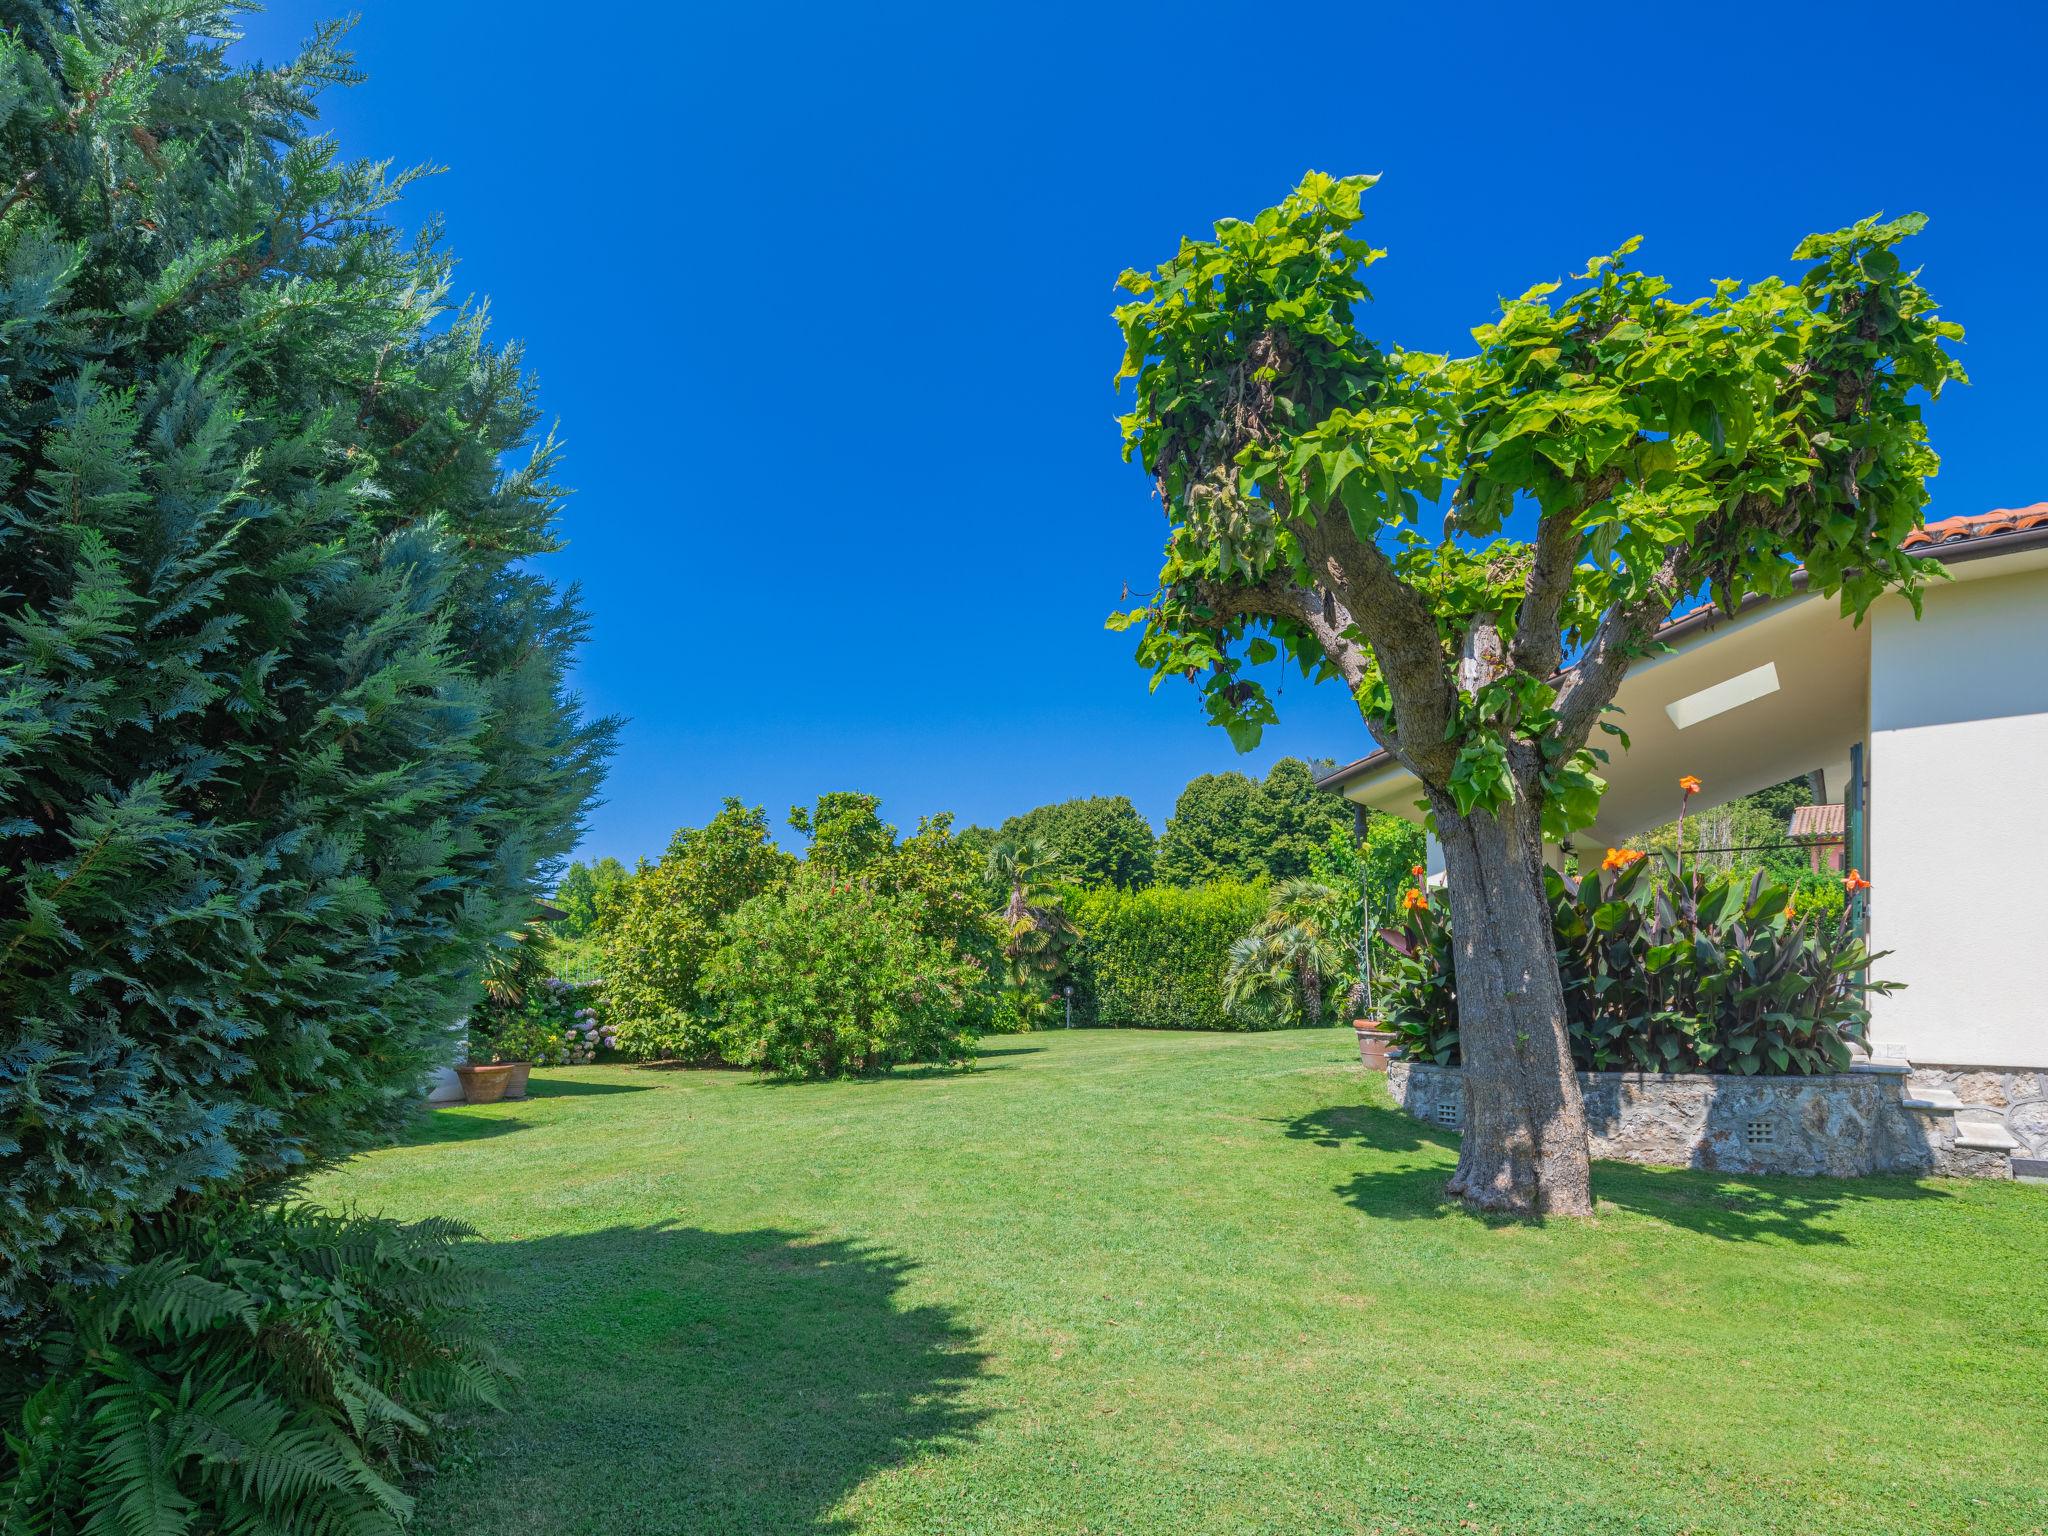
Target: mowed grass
[(1121, 1283)]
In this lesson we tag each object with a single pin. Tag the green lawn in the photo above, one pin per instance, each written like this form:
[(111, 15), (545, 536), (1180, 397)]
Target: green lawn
[(1123, 1283)]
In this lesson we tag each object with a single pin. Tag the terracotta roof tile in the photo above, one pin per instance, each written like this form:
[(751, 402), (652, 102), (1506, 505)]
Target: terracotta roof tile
[(1827, 822), (1980, 525)]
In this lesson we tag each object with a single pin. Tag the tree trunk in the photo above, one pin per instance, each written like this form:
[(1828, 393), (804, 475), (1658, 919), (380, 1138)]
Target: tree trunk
[(1524, 1149)]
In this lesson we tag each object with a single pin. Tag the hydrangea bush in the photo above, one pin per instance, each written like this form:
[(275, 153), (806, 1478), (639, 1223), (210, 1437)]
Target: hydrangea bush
[(554, 1023)]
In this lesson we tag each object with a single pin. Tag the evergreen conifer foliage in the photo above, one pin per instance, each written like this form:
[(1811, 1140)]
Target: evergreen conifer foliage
[(285, 743)]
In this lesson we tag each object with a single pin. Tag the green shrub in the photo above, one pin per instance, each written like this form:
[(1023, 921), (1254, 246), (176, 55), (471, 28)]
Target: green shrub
[(1155, 959), (1666, 972), (1384, 865), (1819, 894), (659, 931), (942, 877), (1038, 936), (676, 1037), (583, 893), (269, 1369), (573, 959), (827, 977), (285, 744), (1415, 993)]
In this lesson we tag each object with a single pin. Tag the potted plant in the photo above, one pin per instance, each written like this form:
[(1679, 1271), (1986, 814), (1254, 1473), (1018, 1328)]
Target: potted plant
[(1375, 1040), (485, 1082), (500, 1054), (523, 1039)]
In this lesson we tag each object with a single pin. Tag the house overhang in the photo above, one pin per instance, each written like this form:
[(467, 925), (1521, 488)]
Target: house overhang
[(1675, 706)]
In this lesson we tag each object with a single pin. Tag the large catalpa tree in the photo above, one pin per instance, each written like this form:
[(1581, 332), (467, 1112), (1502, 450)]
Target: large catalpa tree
[(1345, 504)]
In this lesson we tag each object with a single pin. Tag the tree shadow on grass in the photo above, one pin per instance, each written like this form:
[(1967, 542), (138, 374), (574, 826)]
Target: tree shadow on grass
[(1730, 1207), (902, 1072), (449, 1122), (445, 1123), (1743, 1207), (1367, 1125), (573, 1088), (677, 1380)]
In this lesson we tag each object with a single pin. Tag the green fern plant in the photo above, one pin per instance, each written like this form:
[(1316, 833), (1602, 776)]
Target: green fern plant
[(268, 1369)]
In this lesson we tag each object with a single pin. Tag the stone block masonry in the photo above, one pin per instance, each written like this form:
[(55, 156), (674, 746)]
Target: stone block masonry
[(1874, 1118)]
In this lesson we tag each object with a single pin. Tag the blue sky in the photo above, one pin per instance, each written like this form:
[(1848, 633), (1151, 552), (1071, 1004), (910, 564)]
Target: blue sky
[(820, 295)]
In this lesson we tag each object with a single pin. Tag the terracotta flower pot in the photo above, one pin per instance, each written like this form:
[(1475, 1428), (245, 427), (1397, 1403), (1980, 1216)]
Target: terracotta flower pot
[(1374, 1041), (484, 1085), (515, 1085)]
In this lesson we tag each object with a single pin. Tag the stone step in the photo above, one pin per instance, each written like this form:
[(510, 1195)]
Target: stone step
[(1986, 1136), (1934, 1100)]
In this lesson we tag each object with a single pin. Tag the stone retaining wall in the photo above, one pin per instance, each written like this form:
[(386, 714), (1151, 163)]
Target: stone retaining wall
[(1857, 1122)]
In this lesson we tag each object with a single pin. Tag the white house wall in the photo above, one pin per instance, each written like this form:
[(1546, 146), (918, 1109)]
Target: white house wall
[(1959, 820)]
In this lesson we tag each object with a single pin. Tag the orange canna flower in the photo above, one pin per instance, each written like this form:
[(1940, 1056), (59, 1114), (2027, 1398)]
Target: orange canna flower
[(1621, 858), (1789, 913), (1417, 871), (1690, 786), (1413, 900), (1856, 882)]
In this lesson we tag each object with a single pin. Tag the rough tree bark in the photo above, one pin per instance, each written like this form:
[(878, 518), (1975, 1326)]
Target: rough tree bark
[(1524, 1147)]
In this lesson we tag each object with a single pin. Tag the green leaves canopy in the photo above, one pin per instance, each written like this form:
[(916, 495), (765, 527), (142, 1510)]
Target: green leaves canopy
[(1226, 826), (1100, 840), (1666, 448), (285, 742)]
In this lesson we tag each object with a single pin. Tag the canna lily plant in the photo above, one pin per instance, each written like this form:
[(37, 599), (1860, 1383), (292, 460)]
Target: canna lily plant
[(1664, 972)]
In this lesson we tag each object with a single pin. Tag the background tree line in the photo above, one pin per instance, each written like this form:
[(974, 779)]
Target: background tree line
[(1224, 826), (1246, 913), (1075, 908)]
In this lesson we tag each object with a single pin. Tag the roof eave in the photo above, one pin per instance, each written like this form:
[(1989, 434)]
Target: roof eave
[(1951, 552)]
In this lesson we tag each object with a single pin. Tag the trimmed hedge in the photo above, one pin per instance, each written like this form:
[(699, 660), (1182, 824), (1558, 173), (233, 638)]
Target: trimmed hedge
[(1154, 959)]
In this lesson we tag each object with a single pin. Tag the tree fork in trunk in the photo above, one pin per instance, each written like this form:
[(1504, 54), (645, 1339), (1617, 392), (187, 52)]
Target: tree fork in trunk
[(1524, 1147)]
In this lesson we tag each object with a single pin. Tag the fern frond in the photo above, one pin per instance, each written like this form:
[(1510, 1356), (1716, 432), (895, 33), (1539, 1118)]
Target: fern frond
[(136, 1490)]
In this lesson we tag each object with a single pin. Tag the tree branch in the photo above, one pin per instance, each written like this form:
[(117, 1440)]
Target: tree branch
[(1538, 647), (1275, 598), (1624, 631)]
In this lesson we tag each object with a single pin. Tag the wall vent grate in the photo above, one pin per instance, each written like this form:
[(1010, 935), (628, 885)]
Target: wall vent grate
[(1447, 1114), (1760, 1133)]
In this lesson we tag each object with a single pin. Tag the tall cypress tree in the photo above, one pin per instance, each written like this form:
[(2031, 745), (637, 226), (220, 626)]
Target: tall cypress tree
[(285, 742)]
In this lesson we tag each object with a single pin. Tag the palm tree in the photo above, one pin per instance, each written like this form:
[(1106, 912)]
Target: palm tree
[(1037, 931), (1280, 973)]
